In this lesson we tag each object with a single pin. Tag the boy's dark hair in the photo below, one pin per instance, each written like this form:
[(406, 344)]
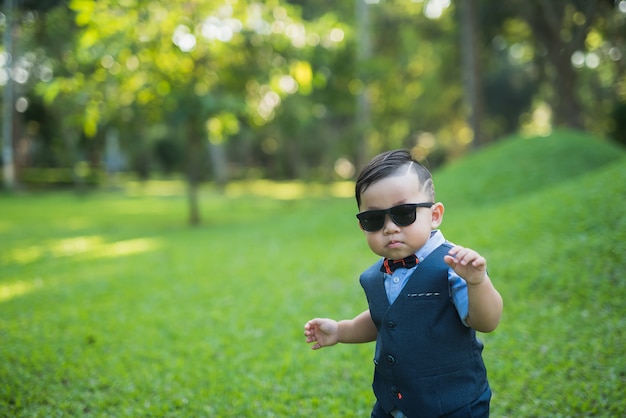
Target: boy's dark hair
[(389, 164)]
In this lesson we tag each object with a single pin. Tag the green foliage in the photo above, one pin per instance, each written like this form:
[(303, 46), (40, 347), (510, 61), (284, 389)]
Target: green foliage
[(116, 309), (285, 76)]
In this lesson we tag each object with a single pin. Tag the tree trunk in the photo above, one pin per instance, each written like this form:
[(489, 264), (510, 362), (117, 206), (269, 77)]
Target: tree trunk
[(195, 154), (192, 201), (470, 53), (547, 20), (219, 162), (8, 164), (363, 54), (566, 109)]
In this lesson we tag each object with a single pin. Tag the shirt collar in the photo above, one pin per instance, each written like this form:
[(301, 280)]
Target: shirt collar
[(434, 241)]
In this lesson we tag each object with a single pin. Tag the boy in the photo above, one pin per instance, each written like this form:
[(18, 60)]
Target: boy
[(426, 298)]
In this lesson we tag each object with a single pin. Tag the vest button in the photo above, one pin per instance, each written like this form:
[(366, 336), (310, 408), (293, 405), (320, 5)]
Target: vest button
[(391, 325), (395, 390), (390, 360)]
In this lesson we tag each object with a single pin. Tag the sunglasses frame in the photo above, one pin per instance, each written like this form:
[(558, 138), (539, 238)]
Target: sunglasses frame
[(390, 211)]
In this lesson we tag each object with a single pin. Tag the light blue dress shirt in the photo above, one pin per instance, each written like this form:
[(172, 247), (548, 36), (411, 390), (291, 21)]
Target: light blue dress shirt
[(458, 287)]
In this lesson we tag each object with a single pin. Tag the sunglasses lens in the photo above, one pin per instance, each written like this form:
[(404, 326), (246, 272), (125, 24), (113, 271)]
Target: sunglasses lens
[(403, 215), (372, 221)]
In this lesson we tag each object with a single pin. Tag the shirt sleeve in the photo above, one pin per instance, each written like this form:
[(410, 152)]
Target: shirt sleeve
[(458, 291)]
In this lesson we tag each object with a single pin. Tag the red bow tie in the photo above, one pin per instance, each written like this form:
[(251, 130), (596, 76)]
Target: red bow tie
[(389, 266)]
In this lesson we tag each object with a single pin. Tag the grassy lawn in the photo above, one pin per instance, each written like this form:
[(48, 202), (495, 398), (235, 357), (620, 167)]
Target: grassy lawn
[(111, 306)]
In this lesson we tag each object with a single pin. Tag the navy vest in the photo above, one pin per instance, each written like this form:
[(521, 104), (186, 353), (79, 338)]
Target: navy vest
[(427, 363)]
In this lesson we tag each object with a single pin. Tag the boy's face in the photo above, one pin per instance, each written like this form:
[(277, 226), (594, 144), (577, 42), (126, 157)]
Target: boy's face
[(393, 241)]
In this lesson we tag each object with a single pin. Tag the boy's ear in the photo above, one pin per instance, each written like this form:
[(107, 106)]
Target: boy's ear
[(437, 215)]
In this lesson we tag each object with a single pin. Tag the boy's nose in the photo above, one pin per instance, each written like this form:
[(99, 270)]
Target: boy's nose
[(389, 226)]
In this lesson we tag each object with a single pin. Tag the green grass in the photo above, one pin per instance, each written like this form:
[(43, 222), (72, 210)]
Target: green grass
[(111, 306)]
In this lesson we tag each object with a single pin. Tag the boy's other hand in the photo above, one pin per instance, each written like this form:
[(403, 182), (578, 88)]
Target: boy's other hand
[(468, 264), (323, 332)]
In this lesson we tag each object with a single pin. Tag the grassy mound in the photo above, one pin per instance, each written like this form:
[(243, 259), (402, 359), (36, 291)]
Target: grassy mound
[(560, 265), (109, 306), (519, 165)]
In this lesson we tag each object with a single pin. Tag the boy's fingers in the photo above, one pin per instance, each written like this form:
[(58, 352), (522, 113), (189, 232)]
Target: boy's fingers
[(464, 256), (479, 262)]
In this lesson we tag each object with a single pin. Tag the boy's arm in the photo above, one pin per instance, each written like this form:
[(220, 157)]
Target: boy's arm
[(485, 303), (485, 306), (361, 329), (325, 332)]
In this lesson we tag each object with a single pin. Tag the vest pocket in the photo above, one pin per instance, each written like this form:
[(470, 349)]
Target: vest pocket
[(423, 296)]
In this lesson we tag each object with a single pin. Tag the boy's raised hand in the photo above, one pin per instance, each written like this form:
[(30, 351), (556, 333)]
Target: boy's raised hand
[(468, 264), (323, 332)]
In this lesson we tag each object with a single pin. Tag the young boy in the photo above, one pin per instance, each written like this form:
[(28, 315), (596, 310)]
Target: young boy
[(426, 298)]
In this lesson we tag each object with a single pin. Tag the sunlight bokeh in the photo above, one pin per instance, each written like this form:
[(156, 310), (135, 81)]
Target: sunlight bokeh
[(90, 247), (290, 190)]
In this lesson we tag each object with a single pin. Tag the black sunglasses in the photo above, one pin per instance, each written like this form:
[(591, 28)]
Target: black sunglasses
[(401, 215)]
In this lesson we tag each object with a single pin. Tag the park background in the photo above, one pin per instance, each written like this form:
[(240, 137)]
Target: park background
[(178, 196)]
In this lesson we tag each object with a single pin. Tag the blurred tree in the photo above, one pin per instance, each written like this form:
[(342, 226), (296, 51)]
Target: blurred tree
[(202, 67), (24, 62), (415, 75), (472, 81), (363, 42), (169, 154), (561, 28), (40, 5), (8, 160), (60, 120), (568, 53), (272, 88), (618, 128)]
